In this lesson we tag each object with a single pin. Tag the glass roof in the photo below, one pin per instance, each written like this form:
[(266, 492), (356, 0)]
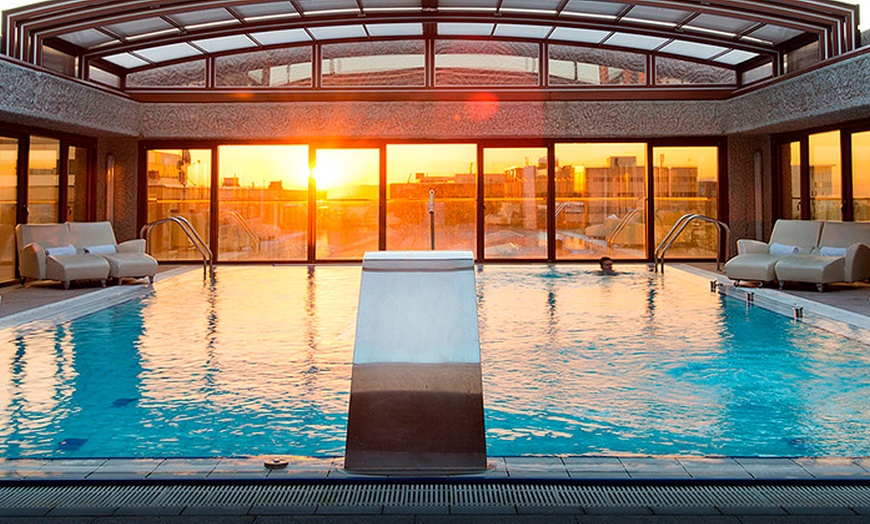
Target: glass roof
[(127, 35)]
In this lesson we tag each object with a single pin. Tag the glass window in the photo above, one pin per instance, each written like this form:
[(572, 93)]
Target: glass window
[(179, 183), (480, 63), (104, 77), (826, 176), (802, 58), (77, 184), (43, 180), (277, 67), (347, 202), (790, 174), (570, 65), (413, 170), (758, 73), (673, 71), (600, 195), (58, 61), (861, 175), (387, 63), (8, 206), (184, 74), (515, 202), (686, 181), (263, 202)]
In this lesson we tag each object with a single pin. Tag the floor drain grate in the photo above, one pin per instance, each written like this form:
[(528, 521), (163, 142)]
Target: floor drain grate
[(432, 494)]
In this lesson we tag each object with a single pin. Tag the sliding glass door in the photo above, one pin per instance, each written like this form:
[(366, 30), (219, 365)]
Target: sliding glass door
[(8, 206)]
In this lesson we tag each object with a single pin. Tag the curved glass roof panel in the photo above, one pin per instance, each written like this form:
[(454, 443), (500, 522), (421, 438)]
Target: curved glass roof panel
[(340, 32), (126, 36), (656, 15), (286, 36), (692, 49), (647, 43), (586, 36), (311, 7), (536, 32), (269, 10), (464, 29), (169, 52), (380, 30), (592, 8), (224, 43)]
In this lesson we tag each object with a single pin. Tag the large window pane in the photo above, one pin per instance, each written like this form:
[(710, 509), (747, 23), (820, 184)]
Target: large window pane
[(185, 74), (825, 176), (390, 63), (272, 68), (179, 181), (674, 71), (687, 181), (263, 202), (600, 195), (481, 63), (573, 65), (77, 183), (43, 177), (8, 200), (347, 202), (415, 169), (790, 176), (861, 175), (515, 202)]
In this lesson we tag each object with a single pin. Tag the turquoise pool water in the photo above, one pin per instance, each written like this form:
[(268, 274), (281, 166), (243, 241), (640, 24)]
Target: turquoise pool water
[(574, 364)]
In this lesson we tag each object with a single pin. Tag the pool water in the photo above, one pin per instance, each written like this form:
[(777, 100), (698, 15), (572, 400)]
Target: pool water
[(574, 363)]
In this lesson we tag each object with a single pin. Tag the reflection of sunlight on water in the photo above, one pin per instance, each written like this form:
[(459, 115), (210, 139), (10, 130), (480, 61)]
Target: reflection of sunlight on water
[(574, 363)]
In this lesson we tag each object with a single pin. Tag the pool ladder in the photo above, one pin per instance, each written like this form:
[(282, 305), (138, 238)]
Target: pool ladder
[(680, 226), (192, 235)]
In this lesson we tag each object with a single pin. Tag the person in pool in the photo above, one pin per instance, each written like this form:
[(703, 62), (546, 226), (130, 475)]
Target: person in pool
[(606, 264)]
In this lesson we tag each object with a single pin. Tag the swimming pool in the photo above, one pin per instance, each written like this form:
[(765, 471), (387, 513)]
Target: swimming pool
[(574, 364)]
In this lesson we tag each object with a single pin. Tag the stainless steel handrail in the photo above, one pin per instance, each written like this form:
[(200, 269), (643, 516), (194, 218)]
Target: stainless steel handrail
[(192, 235), (680, 225)]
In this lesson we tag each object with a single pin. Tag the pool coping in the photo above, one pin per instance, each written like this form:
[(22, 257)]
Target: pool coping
[(631, 469), (614, 469)]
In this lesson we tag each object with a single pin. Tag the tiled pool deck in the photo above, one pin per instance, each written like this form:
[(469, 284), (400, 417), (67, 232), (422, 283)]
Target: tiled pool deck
[(690, 472)]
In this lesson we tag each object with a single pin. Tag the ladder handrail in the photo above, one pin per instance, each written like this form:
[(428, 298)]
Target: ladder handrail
[(192, 235), (240, 220), (680, 225)]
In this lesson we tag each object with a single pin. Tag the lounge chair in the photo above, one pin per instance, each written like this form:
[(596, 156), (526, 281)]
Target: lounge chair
[(756, 260), (47, 252), (126, 260), (842, 255)]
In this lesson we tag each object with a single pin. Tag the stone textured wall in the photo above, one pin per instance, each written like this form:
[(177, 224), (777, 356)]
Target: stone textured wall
[(33, 98), (837, 93), (431, 120)]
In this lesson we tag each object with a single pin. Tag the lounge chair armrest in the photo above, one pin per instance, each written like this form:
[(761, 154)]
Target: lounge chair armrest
[(136, 245), (857, 262), (748, 246), (31, 261)]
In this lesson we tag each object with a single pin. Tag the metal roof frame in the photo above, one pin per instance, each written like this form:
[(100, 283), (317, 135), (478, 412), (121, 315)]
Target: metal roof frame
[(759, 31)]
